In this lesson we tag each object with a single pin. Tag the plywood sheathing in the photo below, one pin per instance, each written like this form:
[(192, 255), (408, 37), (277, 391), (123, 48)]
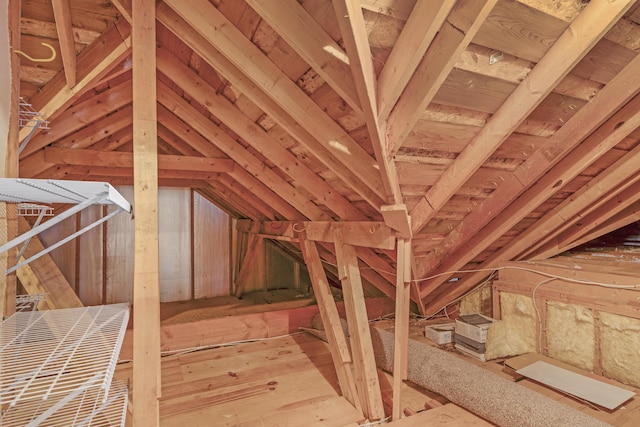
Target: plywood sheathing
[(477, 390)]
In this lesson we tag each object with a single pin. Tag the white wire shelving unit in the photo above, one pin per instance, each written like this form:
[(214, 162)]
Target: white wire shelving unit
[(82, 194), (57, 367)]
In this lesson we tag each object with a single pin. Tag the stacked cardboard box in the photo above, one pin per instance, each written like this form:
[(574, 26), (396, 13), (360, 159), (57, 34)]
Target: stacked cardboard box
[(471, 334)]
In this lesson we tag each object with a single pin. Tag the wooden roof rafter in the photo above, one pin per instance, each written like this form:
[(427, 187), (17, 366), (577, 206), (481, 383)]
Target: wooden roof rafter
[(95, 62), (62, 13), (591, 25), (478, 228), (252, 133), (328, 135), (299, 203), (608, 135), (298, 28), (354, 36)]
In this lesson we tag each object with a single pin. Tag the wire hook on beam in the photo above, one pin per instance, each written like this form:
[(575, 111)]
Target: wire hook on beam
[(30, 58)]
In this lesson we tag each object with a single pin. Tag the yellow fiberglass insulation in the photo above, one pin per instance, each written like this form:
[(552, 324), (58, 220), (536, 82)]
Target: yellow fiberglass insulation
[(571, 334), (620, 348), (516, 333), (478, 302)]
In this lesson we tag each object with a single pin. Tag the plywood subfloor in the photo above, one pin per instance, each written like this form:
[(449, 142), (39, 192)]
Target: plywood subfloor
[(287, 381)]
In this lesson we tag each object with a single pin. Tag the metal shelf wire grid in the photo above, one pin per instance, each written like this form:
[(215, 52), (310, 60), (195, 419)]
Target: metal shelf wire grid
[(57, 352)]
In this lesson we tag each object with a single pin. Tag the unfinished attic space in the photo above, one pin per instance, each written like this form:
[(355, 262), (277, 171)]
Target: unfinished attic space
[(319, 213)]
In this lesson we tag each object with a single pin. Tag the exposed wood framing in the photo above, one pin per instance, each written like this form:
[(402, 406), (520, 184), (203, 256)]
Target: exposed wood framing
[(62, 13), (355, 38), (186, 112), (397, 217), (480, 226), (424, 22), (329, 139), (42, 276), (146, 288), (336, 338), (401, 329), (93, 64), (591, 25), (365, 371), (454, 36), (312, 42), (200, 90), (9, 154), (112, 159), (619, 220), (253, 253), (629, 116)]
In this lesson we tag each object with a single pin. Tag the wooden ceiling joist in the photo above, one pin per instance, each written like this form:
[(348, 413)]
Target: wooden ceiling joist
[(220, 33), (62, 13), (591, 25), (114, 159)]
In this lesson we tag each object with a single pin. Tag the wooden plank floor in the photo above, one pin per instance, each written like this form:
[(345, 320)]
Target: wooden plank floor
[(286, 381), (290, 382)]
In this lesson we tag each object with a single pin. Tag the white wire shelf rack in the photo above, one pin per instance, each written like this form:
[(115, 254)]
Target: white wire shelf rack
[(80, 193), (54, 354), (29, 302), (82, 409)]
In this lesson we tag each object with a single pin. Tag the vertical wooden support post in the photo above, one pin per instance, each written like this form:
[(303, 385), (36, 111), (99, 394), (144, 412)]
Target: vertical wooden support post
[(366, 373), (9, 72), (401, 335), (331, 320), (146, 288), (254, 244)]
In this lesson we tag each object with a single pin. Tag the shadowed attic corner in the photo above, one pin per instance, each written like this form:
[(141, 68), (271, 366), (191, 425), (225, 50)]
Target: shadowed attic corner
[(393, 160)]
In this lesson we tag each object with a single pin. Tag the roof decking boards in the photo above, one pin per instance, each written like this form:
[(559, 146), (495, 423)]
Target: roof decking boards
[(485, 131)]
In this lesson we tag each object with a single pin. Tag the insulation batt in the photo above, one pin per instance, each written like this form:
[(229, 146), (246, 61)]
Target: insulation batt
[(496, 399)]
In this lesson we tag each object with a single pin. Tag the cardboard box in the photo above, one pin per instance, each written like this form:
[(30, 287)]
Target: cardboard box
[(480, 347), (474, 327), (464, 350), (441, 333)]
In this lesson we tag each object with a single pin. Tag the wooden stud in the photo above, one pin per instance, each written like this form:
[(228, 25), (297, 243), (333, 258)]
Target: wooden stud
[(401, 330), (331, 320), (254, 252), (62, 14), (366, 374), (146, 289)]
